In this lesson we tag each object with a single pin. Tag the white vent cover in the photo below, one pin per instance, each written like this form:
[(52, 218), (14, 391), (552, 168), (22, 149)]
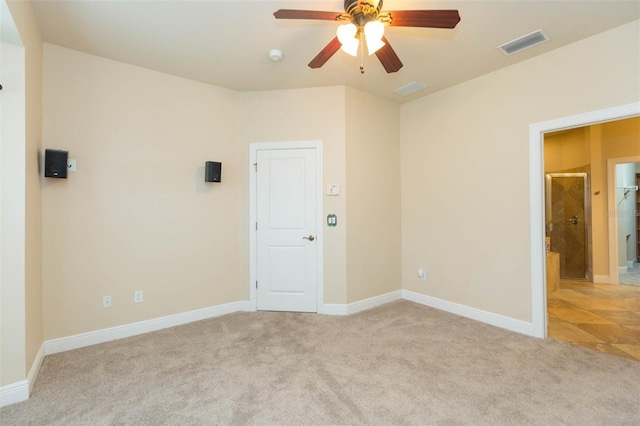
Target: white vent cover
[(410, 88), (524, 42)]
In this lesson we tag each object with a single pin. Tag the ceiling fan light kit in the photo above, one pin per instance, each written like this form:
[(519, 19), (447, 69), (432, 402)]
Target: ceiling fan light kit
[(347, 36), (366, 17), (373, 32)]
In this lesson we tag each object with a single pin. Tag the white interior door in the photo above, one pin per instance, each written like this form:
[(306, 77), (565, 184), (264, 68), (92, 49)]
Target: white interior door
[(286, 236)]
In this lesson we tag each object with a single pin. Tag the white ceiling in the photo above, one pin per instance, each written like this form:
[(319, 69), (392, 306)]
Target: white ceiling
[(226, 43)]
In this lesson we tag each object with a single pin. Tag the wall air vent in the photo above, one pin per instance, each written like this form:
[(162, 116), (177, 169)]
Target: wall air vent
[(524, 42)]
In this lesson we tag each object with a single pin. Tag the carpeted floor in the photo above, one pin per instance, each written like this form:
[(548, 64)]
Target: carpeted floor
[(400, 363)]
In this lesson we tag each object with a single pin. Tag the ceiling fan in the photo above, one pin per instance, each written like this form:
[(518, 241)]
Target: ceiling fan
[(365, 17)]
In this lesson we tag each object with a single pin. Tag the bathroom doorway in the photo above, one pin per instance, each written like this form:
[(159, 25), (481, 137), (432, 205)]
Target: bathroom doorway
[(568, 213), (624, 220), (541, 157)]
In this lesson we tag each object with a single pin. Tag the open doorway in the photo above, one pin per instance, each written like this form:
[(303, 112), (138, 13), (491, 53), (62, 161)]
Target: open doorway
[(537, 132), (586, 167), (624, 208), (579, 168)]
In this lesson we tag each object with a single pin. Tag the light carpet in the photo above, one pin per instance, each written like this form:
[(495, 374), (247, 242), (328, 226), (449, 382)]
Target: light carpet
[(401, 363)]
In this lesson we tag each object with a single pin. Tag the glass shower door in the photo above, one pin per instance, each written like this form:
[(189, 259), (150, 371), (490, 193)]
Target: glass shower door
[(568, 222)]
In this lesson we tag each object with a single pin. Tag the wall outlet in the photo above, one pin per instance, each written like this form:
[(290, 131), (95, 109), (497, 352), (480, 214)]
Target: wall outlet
[(137, 296), (106, 301), (422, 274)]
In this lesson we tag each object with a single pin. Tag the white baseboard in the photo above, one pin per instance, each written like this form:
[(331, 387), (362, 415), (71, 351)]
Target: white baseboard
[(14, 393), (501, 321), (601, 279), (622, 269), (19, 391), (361, 305), (335, 309), (35, 368), (105, 335)]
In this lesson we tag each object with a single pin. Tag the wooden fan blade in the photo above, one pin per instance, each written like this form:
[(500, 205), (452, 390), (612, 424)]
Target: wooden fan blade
[(325, 53), (388, 57), (306, 14), (424, 18)]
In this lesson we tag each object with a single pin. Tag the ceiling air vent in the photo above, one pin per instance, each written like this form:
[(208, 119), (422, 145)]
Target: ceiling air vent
[(524, 42), (410, 88)]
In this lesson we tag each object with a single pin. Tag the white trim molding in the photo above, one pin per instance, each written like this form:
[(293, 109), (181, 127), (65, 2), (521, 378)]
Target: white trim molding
[(490, 318), (536, 197), (497, 320), (601, 279), (35, 368), (14, 393), (361, 305), (20, 391), (68, 343)]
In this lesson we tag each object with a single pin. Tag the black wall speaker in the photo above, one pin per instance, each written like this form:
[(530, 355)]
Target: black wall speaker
[(55, 163), (212, 171)]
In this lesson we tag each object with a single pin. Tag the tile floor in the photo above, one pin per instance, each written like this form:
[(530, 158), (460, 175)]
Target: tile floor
[(632, 276), (604, 317)]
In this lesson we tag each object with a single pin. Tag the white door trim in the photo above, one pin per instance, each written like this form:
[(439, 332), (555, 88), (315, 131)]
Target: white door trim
[(253, 155), (536, 198), (612, 217)]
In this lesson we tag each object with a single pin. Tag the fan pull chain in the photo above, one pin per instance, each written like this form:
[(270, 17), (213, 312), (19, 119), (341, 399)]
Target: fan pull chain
[(361, 54)]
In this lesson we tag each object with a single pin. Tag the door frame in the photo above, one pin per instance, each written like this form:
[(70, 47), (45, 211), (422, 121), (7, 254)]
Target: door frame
[(614, 274), (536, 198), (253, 252)]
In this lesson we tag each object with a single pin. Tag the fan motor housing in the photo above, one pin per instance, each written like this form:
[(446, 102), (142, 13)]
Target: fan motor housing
[(363, 11)]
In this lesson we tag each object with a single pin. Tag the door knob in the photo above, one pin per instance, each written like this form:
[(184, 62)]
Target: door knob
[(310, 238), (574, 220)]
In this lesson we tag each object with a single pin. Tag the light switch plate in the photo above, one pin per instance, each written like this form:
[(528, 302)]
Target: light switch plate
[(71, 165), (333, 189)]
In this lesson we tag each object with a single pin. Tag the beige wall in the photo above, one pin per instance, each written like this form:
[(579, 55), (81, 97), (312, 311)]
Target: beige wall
[(465, 167), (21, 285), (567, 150), (12, 243), (373, 204), (33, 197), (616, 139), (137, 214), (619, 139), (599, 222), (302, 115)]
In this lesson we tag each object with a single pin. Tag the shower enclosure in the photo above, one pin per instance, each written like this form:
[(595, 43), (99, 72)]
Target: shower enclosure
[(568, 222)]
